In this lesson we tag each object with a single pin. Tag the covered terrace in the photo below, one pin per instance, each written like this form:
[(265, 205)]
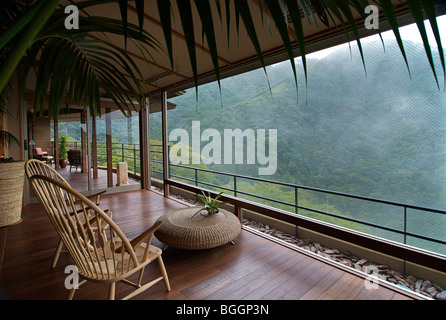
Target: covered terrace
[(256, 267)]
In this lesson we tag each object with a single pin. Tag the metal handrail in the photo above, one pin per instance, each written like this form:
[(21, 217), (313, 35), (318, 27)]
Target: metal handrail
[(404, 206), (296, 187)]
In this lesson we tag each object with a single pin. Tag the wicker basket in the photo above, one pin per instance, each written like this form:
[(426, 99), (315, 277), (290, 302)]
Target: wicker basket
[(12, 175)]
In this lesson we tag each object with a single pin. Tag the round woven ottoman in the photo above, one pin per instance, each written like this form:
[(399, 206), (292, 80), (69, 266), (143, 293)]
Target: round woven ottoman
[(179, 230)]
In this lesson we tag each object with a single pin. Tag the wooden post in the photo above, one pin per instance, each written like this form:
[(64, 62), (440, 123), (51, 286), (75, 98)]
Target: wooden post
[(165, 143), (144, 145), (94, 147), (56, 142), (109, 148), (84, 140)]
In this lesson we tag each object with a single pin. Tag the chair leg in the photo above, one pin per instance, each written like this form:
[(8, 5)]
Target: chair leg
[(57, 253), (164, 273), (111, 293), (141, 273), (71, 294)]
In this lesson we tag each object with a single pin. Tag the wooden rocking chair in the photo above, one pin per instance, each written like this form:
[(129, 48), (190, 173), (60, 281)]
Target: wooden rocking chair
[(98, 257), (36, 167)]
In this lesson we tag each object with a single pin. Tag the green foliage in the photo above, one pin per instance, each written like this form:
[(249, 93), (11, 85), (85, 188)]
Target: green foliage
[(209, 204), (63, 146)]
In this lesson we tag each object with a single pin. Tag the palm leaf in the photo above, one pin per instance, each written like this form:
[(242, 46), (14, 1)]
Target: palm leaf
[(7, 139), (123, 9), (140, 13), (414, 6), (389, 12), (28, 31), (298, 29), (166, 24), (242, 7), (72, 66), (346, 11), (187, 23), (279, 20), (429, 9), (205, 13)]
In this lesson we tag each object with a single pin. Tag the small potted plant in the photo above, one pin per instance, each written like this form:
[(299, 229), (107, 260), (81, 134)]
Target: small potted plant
[(210, 205), (63, 162)]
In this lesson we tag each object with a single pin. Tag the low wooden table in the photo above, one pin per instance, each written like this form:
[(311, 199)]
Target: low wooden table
[(179, 230)]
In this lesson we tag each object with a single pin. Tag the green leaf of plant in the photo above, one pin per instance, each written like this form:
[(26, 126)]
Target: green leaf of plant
[(429, 9), (346, 11), (185, 10), (140, 12), (166, 24), (205, 13), (389, 12), (415, 9), (242, 8), (293, 9), (123, 8), (279, 20), (30, 30)]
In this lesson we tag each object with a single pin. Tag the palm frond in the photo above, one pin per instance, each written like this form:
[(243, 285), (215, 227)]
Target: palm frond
[(73, 66), (20, 34), (330, 12)]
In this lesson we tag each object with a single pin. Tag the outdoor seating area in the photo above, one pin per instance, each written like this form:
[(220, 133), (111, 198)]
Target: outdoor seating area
[(43, 156), (140, 152)]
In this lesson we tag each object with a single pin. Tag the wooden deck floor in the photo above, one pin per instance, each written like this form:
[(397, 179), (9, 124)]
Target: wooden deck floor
[(79, 180), (254, 268)]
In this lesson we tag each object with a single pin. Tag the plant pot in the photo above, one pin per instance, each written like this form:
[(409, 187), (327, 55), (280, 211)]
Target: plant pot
[(12, 179), (63, 163)]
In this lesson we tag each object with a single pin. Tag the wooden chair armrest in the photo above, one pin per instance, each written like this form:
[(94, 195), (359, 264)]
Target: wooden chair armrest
[(135, 243), (94, 196)]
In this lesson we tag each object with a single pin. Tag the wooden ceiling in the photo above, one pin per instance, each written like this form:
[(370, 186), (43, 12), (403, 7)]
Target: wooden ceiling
[(235, 55)]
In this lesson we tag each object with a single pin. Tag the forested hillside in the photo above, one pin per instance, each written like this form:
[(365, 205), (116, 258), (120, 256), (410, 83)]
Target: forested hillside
[(378, 133)]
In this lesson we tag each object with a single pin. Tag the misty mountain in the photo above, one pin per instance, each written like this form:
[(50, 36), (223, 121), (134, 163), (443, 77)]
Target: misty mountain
[(376, 132)]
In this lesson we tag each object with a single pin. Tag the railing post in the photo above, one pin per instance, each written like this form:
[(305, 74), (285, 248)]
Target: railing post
[(196, 177), (296, 201), (405, 238), (134, 159), (122, 148), (296, 208), (405, 226), (235, 186)]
